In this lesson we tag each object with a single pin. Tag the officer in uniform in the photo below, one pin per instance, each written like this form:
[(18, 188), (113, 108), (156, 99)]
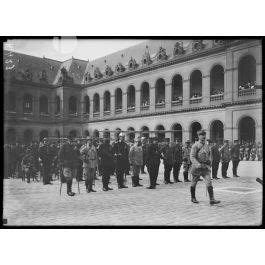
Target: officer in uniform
[(225, 158), (136, 161), (177, 152), (106, 157), (241, 152), (67, 157), (28, 165), (259, 153), (253, 152), (144, 147), (186, 160), (168, 158), (235, 157), (89, 157), (247, 151), (121, 154), (153, 162), (45, 159), (216, 156), (201, 166)]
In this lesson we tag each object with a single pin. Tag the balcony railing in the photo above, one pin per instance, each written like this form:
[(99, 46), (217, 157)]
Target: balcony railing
[(246, 92), (160, 105), (176, 102), (130, 109), (145, 107), (96, 114), (73, 115), (118, 111), (216, 97), (195, 100), (106, 112), (86, 115)]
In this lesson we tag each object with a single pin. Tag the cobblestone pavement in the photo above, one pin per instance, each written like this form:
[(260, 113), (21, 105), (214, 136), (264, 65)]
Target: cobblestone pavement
[(36, 204)]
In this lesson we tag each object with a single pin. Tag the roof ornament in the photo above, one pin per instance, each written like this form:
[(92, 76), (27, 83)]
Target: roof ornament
[(119, 68), (146, 59), (197, 45), (43, 76), (132, 64), (88, 77), (161, 54), (178, 48), (97, 73), (65, 78)]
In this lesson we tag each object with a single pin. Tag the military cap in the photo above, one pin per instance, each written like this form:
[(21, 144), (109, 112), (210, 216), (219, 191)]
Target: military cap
[(122, 134), (88, 138), (45, 139), (201, 132)]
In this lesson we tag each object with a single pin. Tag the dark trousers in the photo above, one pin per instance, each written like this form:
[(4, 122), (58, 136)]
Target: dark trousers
[(46, 173), (120, 172), (79, 172), (167, 171), (215, 166), (69, 182), (153, 174), (143, 165), (224, 168), (106, 172), (235, 165), (176, 169)]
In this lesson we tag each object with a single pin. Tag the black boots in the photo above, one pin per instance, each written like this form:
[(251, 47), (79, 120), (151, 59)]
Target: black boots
[(186, 174), (69, 187), (193, 198), (134, 181), (212, 200)]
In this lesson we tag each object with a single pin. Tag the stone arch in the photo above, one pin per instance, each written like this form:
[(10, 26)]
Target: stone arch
[(43, 134), (10, 136), (145, 94), (160, 91), (145, 131), (118, 98), (131, 134), (28, 136), (196, 84), (160, 134), (177, 87), (87, 104), (217, 80), (217, 131), (194, 127), (10, 101), (246, 129), (247, 71), (178, 131), (58, 104), (131, 96), (27, 103)]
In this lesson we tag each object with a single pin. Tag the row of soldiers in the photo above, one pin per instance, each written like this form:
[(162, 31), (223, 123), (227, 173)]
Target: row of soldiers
[(250, 151)]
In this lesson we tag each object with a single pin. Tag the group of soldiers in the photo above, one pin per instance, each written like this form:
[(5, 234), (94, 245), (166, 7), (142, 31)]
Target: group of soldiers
[(249, 151), (83, 158)]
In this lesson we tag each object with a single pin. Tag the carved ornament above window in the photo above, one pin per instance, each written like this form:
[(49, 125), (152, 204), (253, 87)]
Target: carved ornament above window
[(146, 59), (132, 64), (88, 77), (119, 68), (197, 45), (65, 79), (161, 54), (97, 73), (108, 71), (178, 48)]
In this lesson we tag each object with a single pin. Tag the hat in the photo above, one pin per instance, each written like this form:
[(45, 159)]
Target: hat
[(122, 134), (143, 138), (45, 139), (201, 132)]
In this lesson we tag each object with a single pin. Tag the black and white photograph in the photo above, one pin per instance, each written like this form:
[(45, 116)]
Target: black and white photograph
[(110, 132)]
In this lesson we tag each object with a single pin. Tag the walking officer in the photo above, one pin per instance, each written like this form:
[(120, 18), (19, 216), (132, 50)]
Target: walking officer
[(186, 160), (106, 157), (67, 157), (216, 156), (201, 166), (225, 158), (153, 162), (89, 157), (235, 157), (177, 153), (136, 161), (121, 153)]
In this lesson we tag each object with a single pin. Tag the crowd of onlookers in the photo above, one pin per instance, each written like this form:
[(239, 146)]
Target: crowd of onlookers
[(247, 85), (196, 95), (145, 103), (175, 98), (217, 91)]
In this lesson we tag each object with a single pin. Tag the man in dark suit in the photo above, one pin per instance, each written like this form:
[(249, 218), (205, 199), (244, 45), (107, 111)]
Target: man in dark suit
[(153, 162), (235, 150), (216, 156), (177, 151)]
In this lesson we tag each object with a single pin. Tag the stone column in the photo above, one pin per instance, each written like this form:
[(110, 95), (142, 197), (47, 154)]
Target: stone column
[(206, 90), (258, 133), (168, 96), (186, 93), (152, 99), (185, 135), (228, 126), (124, 103), (228, 76), (112, 105), (101, 106), (137, 101)]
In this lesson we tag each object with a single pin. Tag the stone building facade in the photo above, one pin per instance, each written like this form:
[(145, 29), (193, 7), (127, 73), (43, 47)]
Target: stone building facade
[(168, 88)]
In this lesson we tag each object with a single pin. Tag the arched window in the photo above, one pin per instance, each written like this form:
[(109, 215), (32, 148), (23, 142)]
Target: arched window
[(145, 95), (131, 134), (28, 136), (247, 130), (96, 133), (247, 73), (43, 134), (10, 101), (217, 131), (160, 91), (131, 97), (177, 132), (87, 105), (27, 103), (145, 131), (72, 134), (96, 103), (118, 99), (217, 80), (196, 85), (160, 134), (58, 105), (43, 105), (10, 136), (107, 101), (177, 88), (72, 105), (194, 128)]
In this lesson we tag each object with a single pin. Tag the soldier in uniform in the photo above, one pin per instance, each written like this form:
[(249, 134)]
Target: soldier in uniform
[(177, 152), (216, 156), (168, 158), (121, 154), (241, 152), (201, 166), (28, 165), (225, 158), (106, 157), (67, 158), (186, 160), (253, 152), (247, 151), (144, 147), (235, 157), (259, 151), (89, 157), (136, 161), (45, 159), (153, 162)]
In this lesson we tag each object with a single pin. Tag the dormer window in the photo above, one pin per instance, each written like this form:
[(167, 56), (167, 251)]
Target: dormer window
[(132, 64)]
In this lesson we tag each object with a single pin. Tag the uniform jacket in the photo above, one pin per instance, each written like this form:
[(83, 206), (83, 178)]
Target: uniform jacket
[(186, 154), (200, 155), (121, 153), (67, 156), (45, 154), (235, 152), (89, 156), (153, 155), (28, 161), (105, 152), (136, 155), (168, 155), (178, 156), (216, 156), (225, 153)]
